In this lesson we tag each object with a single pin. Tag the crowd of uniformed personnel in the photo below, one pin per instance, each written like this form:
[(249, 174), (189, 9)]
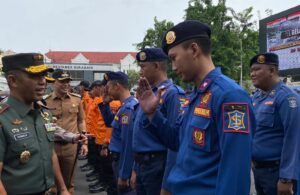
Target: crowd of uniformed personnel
[(160, 141)]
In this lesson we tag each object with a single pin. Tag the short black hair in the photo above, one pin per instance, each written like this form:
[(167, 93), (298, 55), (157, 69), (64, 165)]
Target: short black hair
[(124, 83), (204, 43)]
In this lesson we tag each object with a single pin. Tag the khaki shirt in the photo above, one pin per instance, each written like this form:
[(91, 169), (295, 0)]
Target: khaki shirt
[(26, 146), (68, 111)]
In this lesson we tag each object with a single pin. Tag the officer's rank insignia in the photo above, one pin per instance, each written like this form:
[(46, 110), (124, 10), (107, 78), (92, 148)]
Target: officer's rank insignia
[(116, 118), (236, 117), (292, 102), (142, 56), (261, 59), (125, 120), (204, 112), (25, 156), (205, 84), (199, 137), (170, 37), (15, 130), (45, 116), (205, 98), (17, 122)]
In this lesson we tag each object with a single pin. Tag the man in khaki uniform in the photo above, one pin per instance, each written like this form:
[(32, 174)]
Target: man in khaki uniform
[(68, 110)]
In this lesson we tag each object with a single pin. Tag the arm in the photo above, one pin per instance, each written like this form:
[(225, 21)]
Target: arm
[(126, 155), (2, 189), (107, 114), (82, 127), (61, 134), (58, 176), (234, 121), (289, 110)]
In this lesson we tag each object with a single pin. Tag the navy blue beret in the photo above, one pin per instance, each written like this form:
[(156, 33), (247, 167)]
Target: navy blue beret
[(189, 29), (151, 55), (265, 58), (113, 76)]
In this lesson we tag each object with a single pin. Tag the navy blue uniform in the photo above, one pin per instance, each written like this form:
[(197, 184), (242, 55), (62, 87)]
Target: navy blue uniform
[(276, 138), (212, 137), (144, 142)]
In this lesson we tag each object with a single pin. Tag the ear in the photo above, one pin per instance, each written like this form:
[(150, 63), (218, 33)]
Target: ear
[(156, 65), (195, 49), (12, 80)]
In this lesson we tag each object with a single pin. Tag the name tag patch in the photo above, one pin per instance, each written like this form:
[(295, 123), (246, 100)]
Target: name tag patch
[(204, 112), (236, 118), (21, 136)]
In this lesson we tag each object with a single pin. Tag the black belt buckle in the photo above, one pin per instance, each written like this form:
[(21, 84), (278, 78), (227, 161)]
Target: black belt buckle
[(149, 156)]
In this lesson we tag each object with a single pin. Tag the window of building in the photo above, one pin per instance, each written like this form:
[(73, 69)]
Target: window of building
[(77, 75)]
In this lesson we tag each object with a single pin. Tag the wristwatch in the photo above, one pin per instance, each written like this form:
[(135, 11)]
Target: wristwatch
[(284, 180)]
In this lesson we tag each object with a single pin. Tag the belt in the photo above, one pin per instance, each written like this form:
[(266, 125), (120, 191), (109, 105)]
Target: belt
[(266, 164), (115, 156), (61, 142), (141, 158)]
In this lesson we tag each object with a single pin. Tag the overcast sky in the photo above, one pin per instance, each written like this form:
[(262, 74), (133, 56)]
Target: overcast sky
[(96, 25)]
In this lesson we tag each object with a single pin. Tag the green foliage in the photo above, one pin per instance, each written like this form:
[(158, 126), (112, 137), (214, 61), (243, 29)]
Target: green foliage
[(133, 77), (229, 29)]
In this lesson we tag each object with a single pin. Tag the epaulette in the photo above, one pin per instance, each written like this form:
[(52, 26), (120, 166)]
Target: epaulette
[(3, 108), (180, 90), (47, 96), (75, 94)]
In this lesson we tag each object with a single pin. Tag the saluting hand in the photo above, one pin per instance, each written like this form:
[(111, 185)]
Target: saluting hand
[(147, 99), (106, 97)]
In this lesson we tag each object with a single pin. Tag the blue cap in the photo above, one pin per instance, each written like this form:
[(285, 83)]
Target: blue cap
[(115, 76), (151, 55), (189, 29), (265, 58)]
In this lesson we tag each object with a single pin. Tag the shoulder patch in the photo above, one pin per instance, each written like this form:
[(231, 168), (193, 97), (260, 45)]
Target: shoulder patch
[(236, 117), (3, 107), (47, 96), (75, 94), (292, 102)]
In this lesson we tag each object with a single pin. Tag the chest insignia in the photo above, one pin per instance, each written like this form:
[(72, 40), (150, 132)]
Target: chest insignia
[(17, 122), (125, 120), (25, 156), (199, 137), (204, 112)]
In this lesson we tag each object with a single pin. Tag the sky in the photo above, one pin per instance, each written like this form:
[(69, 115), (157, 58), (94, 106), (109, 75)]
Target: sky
[(97, 25)]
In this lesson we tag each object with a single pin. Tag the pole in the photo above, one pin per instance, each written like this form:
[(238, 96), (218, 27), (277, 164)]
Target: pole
[(241, 75)]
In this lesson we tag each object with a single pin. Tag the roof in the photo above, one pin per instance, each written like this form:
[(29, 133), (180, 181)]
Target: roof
[(93, 57)]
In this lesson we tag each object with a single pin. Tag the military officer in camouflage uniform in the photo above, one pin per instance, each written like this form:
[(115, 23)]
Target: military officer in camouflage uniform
[(28, 162)]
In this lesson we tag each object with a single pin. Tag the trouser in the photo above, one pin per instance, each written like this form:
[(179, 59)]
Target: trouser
[(266, 179), (171, 160), (115, 166), (66, 154), (150, 172), (92, 154), (106, 176)]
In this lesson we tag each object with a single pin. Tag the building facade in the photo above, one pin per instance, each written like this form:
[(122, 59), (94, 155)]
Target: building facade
[(91, 65)]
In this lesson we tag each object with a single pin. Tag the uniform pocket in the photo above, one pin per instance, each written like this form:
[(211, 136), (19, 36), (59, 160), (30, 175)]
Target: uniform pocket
[(266, 117), (200, 134), (73, 109)]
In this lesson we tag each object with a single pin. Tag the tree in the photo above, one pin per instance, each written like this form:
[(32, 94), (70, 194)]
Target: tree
[(133, 77)]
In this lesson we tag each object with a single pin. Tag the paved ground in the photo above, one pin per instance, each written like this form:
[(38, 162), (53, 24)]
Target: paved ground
[(81, 185)]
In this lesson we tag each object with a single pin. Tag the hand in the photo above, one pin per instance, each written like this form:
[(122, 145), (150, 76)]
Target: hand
[(106, 97), (65, 192), (84, 150), (80, 138), (133, 180), (104, 152), (284, 188), (148, 101), (123, 184)]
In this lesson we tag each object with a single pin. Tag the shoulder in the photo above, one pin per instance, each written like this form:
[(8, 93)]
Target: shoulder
[(75, 95), (47, 96), (132, 104), (3, 108), (285, 93)]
